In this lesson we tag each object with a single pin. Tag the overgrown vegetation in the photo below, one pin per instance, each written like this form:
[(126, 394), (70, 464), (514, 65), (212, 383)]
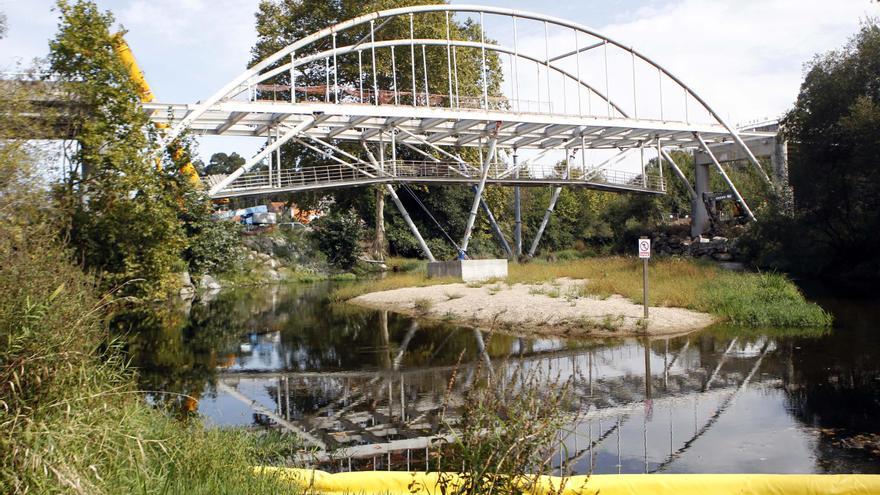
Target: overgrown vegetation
[(129, 217), (71, 417), (508, 431), (338, 236), (741, 298), (834, 130)]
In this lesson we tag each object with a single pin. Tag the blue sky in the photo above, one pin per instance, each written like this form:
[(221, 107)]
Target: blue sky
[(745, 57)]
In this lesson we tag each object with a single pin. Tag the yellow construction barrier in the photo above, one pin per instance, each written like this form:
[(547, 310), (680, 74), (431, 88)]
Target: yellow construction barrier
[(123, 51), (420, 483)]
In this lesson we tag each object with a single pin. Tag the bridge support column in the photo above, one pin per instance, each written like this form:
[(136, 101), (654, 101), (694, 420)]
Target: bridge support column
[(553, 199), (779, 163), (409, 223), (699, 213), (733, 189), (517, 215)]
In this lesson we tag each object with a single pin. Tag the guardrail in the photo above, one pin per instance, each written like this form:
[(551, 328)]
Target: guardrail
[(443, 171)]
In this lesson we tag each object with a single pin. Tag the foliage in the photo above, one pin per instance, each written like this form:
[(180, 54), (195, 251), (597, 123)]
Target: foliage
[(221, 163), (72, 419), (213, 245), (338, 236), (834, 129), (280, 22), (121, 212), (508, 432)]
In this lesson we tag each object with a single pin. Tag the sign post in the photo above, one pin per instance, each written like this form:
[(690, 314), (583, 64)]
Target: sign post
[(645, 255)]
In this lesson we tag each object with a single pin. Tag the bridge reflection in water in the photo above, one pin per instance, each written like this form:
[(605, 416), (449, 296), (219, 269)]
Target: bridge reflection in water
[(387, 417)]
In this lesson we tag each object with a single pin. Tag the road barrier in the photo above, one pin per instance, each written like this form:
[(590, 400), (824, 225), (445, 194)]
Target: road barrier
[(422, 483)]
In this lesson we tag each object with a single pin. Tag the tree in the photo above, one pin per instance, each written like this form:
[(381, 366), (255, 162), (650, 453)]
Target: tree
[(221, 163), (338, 236), (281, 22), (834, 129), (121, 210)]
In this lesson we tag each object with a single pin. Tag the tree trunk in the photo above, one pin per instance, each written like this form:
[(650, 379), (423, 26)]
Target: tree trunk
[(379, 237)]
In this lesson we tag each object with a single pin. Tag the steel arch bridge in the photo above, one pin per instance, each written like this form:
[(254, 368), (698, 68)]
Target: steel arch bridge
[(567, 90)]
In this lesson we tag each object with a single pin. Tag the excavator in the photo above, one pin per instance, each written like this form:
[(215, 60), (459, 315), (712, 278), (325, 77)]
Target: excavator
[(123, 51)]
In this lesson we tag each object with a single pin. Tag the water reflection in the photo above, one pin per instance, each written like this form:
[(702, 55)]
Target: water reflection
[(718, 401)]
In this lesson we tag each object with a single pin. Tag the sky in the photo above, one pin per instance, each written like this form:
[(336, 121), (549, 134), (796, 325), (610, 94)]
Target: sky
[(745, 57)]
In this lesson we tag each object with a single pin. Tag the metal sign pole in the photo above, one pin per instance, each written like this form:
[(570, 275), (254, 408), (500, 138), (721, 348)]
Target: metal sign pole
[(644, 247), (645, 284)]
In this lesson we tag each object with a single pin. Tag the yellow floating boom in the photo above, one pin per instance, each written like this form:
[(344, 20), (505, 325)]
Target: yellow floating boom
[(123, 51), (421, 483)]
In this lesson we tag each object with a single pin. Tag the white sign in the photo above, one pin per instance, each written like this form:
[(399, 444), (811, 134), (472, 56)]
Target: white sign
[(644, 248)]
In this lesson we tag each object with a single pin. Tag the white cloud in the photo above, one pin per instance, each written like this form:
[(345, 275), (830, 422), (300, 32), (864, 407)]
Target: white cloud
[(746, 57)]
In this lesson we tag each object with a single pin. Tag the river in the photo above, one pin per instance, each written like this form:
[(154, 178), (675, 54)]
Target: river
[(721, 400)]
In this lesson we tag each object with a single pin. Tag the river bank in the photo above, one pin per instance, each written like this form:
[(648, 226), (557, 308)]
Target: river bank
[(611, 289), (559, 307)]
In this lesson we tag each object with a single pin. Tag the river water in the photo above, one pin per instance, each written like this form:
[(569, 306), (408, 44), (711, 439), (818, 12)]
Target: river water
[(720, 400)]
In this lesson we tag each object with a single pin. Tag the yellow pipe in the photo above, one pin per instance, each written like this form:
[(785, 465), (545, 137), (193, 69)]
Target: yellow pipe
[(123, 51), (421, 483)]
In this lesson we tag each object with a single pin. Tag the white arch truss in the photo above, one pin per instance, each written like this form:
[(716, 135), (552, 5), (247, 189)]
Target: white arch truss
[(321, 116)]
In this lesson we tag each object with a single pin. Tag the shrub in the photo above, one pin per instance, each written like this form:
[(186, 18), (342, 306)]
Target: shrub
[(339, 236), (212, 245)]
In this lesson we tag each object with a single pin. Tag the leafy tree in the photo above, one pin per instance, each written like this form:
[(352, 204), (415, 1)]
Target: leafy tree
[(339, 236), (834, 129), (281, 22), (122, 212), (221, 163), (213, 246)]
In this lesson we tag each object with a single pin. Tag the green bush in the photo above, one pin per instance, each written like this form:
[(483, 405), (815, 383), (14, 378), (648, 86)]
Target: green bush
[(72, 418), (339, 236), (762, 299), (212, 245)]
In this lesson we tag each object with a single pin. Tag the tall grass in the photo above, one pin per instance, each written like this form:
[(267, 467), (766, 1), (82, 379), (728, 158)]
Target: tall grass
[(748, 299), (71, 420), (507, 432)]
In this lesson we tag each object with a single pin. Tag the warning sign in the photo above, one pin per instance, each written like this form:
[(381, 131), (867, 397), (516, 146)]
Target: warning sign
[(644, 248)]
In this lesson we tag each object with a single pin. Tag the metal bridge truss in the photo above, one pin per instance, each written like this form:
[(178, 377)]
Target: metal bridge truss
[(579, 94)]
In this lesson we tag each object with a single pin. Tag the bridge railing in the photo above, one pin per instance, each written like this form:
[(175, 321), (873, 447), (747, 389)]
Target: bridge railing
[(274, 93), (448, 171), (305, 176)]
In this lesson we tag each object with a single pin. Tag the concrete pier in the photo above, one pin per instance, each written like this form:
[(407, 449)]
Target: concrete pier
[(468, 270)]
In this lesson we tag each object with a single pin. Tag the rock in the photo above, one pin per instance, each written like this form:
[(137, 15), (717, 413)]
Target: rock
[(273, 275), (723, 256), (718, 238), (272, 263), (186, 286), (207, 282)]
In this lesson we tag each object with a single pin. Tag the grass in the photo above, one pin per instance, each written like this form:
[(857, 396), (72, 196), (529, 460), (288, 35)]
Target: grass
[(423, 305), (72, 419), (740, 298)]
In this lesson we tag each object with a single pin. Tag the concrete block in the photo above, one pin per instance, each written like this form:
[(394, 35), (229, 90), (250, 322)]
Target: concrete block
[(469, 270)]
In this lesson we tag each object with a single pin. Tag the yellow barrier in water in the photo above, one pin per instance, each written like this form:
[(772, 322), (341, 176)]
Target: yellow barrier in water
[(420, 483)]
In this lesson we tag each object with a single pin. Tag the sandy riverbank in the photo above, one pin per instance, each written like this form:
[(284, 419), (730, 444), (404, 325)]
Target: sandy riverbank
[(548, 309)]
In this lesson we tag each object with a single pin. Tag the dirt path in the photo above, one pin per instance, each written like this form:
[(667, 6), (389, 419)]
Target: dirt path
[(548, 309)]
